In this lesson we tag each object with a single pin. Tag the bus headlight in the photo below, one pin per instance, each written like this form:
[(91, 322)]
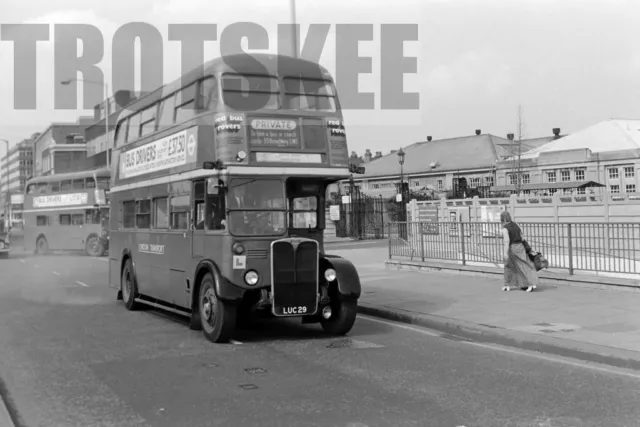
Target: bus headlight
[(330, 274), (251, 278)]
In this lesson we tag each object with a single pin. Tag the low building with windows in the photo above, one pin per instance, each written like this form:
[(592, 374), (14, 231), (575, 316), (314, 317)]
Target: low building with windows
[(607, 153), (452, 167)]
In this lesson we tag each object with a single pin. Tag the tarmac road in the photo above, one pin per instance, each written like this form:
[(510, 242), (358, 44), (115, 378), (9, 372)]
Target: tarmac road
[(70, 355)]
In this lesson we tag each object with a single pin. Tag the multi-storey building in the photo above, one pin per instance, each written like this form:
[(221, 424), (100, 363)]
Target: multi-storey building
[(17, 168), (61, 148)]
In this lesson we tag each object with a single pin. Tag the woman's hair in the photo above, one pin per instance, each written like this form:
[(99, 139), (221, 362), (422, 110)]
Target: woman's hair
[(505, 216)]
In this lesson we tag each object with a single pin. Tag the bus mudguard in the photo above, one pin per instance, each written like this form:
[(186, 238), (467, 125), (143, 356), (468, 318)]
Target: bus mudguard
[(225, 290), (346, 276)]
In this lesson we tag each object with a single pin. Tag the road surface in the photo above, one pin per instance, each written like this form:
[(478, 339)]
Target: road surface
[(70, 355)]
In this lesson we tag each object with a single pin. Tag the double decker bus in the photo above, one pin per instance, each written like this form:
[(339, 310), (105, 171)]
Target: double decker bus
[(217, 197), (67, 212)]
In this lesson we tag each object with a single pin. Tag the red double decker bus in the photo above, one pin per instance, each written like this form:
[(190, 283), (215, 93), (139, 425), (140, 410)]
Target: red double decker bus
[(217, 197), (67, 212)]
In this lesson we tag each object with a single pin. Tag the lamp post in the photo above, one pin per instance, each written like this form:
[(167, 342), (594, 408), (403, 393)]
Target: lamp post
[(105, 86), (403, 216)]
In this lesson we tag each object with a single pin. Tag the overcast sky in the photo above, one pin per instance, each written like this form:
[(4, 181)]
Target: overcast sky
[(568, 63)]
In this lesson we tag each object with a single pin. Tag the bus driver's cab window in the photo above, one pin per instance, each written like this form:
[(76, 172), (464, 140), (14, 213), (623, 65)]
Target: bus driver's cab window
[(210, 206)]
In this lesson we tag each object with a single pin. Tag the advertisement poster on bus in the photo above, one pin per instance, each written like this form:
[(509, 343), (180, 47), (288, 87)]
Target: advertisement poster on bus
[(178, 149), (58, 200), (275, 133)]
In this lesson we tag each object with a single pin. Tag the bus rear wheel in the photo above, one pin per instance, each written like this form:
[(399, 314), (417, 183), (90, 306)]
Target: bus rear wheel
[(217, 317), (42, 246), (94, 247), (343, 316), (128, 287)]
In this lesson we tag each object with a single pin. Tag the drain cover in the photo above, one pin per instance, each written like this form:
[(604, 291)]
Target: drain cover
[(255, 370), (209, 365), (348, 343)]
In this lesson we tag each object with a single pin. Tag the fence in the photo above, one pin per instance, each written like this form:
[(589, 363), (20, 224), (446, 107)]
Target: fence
[(603, 247)]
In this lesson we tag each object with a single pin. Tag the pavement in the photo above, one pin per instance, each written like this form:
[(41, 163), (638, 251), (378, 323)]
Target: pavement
[(599, 325), (71, 355)]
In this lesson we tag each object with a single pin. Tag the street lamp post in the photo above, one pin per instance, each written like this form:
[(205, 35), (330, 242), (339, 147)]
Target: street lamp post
[(6, 193), (105, 86), (403, 205)]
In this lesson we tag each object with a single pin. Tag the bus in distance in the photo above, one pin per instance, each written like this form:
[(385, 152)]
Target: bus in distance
[(67, 212), (218, 193)]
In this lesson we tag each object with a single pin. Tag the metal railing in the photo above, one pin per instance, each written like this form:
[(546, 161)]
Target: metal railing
[(604, 247)]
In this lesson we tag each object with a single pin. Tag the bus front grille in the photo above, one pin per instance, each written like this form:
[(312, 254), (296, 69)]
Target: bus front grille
[(295, 276)]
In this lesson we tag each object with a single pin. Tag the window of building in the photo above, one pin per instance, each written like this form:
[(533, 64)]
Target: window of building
[(581, 190), (488, 181), (580, 174), (475, 182), (614, 188), (526, 179), (512, 179), (613, 173), (129, 214), (629, 172), (143, 213), (565, 175), (630, 188), (551, 176), (161, 212)]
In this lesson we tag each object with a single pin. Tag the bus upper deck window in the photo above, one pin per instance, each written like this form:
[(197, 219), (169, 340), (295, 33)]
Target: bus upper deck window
[(309, 94), (250, 92)]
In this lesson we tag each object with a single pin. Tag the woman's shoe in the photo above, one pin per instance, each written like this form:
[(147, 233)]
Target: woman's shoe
[(506, 288), (531, 288)]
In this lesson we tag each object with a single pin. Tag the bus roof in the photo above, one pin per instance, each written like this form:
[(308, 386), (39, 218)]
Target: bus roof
[(276, 65), (101, 172)]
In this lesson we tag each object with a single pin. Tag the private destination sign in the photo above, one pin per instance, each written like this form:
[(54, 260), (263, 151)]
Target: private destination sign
[(75, 199), (174, 150)]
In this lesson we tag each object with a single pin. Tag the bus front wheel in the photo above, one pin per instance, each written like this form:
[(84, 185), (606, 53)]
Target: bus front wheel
[(343, 317), (218, 318), (42, 246), (128, 287), (94, 247)]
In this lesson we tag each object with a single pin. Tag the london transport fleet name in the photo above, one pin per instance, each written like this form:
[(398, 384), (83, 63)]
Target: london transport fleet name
[(151, 249)]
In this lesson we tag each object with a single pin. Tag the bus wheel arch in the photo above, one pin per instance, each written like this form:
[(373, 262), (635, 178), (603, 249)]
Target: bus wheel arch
[(344, 292), (42, 245)]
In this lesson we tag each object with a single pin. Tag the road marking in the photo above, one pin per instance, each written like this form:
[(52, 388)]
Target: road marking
[(82, 284), (548, 358), (400, 325), (56, 273)]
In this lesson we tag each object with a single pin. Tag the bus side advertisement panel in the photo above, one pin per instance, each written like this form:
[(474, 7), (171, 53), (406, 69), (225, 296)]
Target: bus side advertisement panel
[(178, 149)]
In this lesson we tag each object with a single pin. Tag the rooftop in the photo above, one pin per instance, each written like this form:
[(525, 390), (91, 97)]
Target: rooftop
[(606, 136)]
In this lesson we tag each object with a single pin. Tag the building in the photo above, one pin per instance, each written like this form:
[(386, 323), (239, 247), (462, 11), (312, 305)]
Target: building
[(607, 153), (94, 134), (17, 168), (61, 148)]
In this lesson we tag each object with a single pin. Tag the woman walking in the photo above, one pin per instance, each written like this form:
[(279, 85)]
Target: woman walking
[(519, 271)]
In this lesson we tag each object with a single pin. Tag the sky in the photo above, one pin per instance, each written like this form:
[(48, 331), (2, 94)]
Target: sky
[(567, 63)]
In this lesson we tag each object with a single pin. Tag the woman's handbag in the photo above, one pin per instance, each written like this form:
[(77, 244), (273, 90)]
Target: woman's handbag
[(540, 262)]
